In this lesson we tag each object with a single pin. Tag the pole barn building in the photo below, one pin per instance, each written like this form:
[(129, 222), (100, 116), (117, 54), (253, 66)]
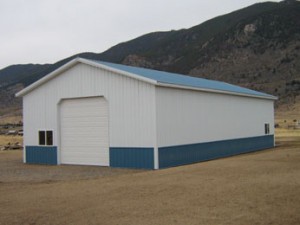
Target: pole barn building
[(97, 113)]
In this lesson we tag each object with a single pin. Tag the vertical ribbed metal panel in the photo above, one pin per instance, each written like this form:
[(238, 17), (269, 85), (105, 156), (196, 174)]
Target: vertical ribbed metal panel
[(139, 158), (185, 116), (186, 154), (41, 155)]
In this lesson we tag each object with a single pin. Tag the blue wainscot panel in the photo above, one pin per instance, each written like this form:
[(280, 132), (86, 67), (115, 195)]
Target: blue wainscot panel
[(140, 158), (186, 154), (41, 155)]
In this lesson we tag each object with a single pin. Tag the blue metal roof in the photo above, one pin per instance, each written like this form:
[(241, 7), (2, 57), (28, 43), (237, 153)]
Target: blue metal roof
[(184, 80)]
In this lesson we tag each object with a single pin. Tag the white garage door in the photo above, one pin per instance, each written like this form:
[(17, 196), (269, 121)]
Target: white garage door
[(84, 131)]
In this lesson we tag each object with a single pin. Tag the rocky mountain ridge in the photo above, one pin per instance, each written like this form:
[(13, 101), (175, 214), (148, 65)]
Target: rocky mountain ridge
[(255, 47)]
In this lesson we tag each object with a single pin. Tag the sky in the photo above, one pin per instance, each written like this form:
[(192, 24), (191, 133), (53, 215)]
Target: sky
[(46, 31)]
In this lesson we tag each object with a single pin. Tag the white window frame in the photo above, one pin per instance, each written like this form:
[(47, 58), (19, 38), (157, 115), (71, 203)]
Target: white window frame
[(267, 128), (44, 130)]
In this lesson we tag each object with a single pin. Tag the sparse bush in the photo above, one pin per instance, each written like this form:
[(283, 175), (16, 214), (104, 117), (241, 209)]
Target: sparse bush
[(286, 59)]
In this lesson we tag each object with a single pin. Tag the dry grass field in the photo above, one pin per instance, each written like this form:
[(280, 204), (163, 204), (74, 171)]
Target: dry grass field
[(5, 139), (257, 188), (11, 118)]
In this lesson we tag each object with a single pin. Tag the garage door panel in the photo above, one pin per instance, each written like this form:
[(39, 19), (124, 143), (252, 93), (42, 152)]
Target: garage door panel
[(73, 142), (69, 141), (79, 112), (89, 133), (84, 107), (82, 159), (84, 131), (70, 144), (83, 127), (84, 102), (78, 151), (99, 120), (83, 141), (81, 155)]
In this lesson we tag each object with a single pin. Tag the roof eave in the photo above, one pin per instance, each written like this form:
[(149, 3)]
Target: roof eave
[(148, 80), (270, 97)]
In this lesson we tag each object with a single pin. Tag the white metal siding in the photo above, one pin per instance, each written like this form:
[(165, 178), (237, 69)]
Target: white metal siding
[(131, 105), (186, 117), (84, 131)]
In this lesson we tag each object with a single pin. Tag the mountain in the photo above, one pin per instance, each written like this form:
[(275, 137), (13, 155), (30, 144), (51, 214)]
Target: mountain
[(255, 47)]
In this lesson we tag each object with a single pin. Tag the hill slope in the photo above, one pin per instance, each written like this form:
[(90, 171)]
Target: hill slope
[(256, 47)]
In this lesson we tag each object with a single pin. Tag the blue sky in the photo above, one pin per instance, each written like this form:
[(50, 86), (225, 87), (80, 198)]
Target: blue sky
[(45, 31)]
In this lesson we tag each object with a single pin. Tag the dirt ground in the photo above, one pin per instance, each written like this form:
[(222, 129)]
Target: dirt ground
[(257, 188)]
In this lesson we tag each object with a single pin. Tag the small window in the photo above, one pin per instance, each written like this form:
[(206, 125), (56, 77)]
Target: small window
[(267, 128), (49, 137), (42, 138), (46, 137)]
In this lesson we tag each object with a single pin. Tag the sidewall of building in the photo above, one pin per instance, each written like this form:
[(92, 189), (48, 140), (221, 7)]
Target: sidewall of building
[(186, 119)]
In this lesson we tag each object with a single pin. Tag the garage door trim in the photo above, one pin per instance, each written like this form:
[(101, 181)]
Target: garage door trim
[(104, 161)]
